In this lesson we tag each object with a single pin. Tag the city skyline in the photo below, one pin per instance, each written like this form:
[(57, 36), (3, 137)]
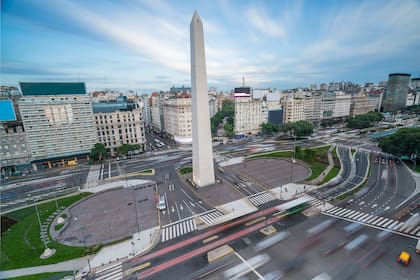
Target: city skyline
[(270, 44)]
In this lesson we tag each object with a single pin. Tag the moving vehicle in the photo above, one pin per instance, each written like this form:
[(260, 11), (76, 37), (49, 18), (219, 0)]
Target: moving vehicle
[(270, 241), (418, 247), (294, 206), (404, 258), (161, 204)]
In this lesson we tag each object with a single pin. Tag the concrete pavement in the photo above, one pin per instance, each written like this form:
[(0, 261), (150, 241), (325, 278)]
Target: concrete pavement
[(74, 264)]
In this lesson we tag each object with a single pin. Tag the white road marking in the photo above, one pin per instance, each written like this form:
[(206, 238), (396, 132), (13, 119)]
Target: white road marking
[(250, 267)]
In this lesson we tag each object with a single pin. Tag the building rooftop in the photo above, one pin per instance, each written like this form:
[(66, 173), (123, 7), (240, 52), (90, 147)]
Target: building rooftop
[(400, 74), (29, 89)]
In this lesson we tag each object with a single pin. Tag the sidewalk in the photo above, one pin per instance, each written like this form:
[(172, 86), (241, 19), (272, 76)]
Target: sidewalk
[(74, 264)]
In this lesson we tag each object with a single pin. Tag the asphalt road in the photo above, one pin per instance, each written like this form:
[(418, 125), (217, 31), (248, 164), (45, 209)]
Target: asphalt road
[(298, 257)]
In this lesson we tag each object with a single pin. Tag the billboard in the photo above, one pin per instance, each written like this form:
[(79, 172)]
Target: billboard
[(7, 112)]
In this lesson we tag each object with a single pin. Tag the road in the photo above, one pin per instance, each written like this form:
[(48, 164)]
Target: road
[(183, 258)]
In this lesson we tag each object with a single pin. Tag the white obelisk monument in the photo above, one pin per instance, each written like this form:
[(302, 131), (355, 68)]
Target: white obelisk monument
[(202, 152)]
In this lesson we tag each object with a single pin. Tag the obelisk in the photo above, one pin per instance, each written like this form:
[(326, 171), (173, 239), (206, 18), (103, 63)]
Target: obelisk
[(202, 152)]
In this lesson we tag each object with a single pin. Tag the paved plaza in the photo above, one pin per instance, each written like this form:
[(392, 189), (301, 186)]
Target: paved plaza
[(110, 215), (270, 173)]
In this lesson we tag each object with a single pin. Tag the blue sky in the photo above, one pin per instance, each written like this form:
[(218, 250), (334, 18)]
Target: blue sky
[(144, 45)]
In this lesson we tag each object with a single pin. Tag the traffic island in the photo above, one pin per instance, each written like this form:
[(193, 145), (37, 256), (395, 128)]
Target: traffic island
[(219, 253)]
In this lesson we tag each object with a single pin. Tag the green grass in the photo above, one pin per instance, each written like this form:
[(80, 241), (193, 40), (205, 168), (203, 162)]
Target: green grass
[(278, 154), (185, 170), (353, 151), (58, 226), (410, 164), (64, 216), (147, 171), (317, 168), (333, 172), (44, 276), (15, 253), (322, 151)]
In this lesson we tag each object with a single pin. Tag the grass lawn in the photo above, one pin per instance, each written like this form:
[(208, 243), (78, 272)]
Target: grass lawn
[(410, 164), (185, 170), (322, 151), (317, 168), (16, 253), (44, 276), (333, 172), (278, 154)]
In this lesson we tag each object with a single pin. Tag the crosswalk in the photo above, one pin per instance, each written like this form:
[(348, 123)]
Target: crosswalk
[(177, 229), (113, 272), (210, 217), (372, 220), (187, 225), (261, 198)]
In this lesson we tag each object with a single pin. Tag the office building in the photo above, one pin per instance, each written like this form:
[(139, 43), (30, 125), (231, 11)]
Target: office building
[(58, 121), (395, 97)]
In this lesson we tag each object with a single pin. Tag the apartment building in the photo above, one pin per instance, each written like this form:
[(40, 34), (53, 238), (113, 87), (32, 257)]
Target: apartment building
[(342, 106), (248, 115), (293, 109), (119, 122), (178, 119)]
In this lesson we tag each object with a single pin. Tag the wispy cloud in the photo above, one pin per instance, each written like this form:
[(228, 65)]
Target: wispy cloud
[(262, 22)]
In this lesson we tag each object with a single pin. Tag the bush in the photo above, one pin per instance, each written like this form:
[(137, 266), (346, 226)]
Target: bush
[(58, 227)]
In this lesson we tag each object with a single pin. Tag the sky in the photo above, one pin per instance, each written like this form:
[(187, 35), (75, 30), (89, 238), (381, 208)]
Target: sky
[(144, 45)]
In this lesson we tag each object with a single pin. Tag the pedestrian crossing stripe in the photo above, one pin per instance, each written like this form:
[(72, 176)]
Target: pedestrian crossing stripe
[(261, 198), (113, 272), (178, 229), (373, 221)]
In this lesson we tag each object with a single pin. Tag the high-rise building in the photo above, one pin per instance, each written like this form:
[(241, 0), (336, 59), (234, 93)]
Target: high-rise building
[(415, 83), (395, 97), (119, 122), (58, 121), (202, 150)]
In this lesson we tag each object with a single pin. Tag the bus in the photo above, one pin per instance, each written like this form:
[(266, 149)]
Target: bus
[(294, 206)]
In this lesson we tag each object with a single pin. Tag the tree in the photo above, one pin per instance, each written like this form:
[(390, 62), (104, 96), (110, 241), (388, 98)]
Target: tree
[(269, 128), (303, 128), (405, 142), (228, 111), (229, 130), (98, 152), (365, 120), (298, 129)]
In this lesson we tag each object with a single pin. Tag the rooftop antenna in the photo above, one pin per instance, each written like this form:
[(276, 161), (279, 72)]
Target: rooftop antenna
[(243, 82)]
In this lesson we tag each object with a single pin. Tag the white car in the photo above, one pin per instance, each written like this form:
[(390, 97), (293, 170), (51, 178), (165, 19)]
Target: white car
[(161, 204)]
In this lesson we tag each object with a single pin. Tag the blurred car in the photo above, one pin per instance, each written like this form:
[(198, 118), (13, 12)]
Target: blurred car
[(404, 258)]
